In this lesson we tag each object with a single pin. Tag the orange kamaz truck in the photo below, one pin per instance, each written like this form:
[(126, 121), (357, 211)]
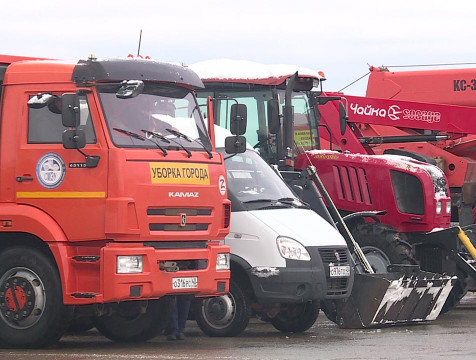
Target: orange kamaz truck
[(112, 197)]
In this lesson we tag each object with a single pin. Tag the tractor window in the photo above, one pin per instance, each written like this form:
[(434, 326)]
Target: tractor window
[(45, 125)]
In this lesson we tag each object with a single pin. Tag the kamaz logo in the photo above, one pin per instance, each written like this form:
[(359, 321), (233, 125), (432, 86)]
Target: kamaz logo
[(182, 194)]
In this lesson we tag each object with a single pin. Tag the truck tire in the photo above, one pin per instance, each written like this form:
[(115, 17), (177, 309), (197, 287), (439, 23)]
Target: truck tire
[(226, 315), (32, 313), (382, 245), (296, 317), (135, 321)]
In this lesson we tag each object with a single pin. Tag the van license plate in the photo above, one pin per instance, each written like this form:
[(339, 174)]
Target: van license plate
[(185, 283), (339, 271)]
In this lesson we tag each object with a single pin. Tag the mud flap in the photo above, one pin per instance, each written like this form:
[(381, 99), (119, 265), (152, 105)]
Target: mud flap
[(394, 298)]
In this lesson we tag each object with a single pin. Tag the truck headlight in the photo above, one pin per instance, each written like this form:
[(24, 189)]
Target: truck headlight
[(291, 249), (438, 207), (448, 207), (223, 261), (129, 264)]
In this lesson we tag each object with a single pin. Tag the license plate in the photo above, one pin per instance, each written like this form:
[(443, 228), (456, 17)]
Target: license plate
[(185, 283), (339, 271)]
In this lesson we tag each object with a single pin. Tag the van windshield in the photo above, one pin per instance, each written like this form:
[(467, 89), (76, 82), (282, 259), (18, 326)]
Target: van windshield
[(252, 180), (159, 108)]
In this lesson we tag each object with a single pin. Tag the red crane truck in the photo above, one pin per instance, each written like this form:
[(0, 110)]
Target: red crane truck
[(112, 197)]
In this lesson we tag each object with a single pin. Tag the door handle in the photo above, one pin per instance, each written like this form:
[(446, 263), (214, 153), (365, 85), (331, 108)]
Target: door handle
[(24, 178)]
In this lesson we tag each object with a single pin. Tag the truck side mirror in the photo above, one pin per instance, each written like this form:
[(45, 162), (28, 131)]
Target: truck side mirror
[(70, 110), (273, 116), (235, 144), (74, 139), (342, 118), (238, 118)]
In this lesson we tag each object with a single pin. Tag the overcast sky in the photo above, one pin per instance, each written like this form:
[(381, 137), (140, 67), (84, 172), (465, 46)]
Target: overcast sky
[(337, 37)]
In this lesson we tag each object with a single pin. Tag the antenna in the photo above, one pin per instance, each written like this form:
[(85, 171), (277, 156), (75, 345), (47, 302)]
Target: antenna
[(140, 39)]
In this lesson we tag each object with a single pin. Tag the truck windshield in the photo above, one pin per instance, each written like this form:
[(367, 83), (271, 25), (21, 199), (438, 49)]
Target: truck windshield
[(159, 108), (305, 130), (252, 181)]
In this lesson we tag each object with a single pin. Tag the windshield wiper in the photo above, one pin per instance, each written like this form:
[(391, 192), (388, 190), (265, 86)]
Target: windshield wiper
[(130, 133), (257, 200), (157, 136), (292, 201), (140, 137), (183, 136)]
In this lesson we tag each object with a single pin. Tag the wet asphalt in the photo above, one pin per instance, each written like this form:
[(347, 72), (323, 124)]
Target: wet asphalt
[(451, 336)]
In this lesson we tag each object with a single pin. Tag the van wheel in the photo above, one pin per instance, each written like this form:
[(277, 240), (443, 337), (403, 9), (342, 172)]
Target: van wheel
[(296, 317), (134, 321), (225, 315), (32, 313)]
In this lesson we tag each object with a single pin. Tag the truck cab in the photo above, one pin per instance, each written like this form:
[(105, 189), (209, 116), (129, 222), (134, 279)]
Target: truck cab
[(112, 197)]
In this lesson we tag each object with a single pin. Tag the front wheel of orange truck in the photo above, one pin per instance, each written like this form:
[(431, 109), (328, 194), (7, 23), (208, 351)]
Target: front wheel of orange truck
[(32, 313), (135, 321)]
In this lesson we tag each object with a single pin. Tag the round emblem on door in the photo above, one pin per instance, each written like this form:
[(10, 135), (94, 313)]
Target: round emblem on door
[(50, 170)]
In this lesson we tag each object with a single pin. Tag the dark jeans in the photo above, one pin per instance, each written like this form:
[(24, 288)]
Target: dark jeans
[(179, 315)]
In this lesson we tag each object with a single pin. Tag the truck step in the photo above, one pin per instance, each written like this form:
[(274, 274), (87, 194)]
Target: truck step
[(84, 295), (86, 258)]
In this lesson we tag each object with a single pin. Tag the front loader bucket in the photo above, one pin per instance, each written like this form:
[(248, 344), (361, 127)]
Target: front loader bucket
[(393, 298)]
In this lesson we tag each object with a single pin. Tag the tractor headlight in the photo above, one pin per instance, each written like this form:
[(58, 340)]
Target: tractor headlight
[(438, 207), (223, 261), (291, 249), (129, 264), (448, 207)]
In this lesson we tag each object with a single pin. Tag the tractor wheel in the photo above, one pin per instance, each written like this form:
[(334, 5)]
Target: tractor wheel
[(134, 321), (32, 313), (382, 246), (296, 317), (225, 315)]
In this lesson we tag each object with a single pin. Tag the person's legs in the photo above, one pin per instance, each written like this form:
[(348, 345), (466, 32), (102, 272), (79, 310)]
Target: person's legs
[(172, 327), (183, 307)]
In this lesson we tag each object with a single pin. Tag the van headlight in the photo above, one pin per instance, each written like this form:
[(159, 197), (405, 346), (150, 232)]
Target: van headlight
[(291, 249), (129, 264), (223, 261)]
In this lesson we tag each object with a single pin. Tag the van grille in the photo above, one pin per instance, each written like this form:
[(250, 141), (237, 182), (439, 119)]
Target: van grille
[(333, 255)]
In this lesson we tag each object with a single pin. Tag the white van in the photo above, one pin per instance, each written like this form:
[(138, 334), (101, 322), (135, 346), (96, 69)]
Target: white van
[(282, 253)]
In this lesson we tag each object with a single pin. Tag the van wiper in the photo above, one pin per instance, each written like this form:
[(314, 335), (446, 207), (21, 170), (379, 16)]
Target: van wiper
[(257, 200), (140, 137), (183, 136), (292, 201)]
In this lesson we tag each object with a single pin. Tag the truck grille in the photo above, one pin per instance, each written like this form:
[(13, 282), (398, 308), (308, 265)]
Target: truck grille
[(337, 286), (179, 219)]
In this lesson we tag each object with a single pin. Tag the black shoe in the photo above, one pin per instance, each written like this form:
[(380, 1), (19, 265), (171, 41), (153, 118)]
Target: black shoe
[(180, 336), (171, 337)]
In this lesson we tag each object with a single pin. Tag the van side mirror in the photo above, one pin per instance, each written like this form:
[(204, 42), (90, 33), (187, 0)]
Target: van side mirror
[(70, 110), (238, 118), (342, 118), (273, 116), (235, 144)]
